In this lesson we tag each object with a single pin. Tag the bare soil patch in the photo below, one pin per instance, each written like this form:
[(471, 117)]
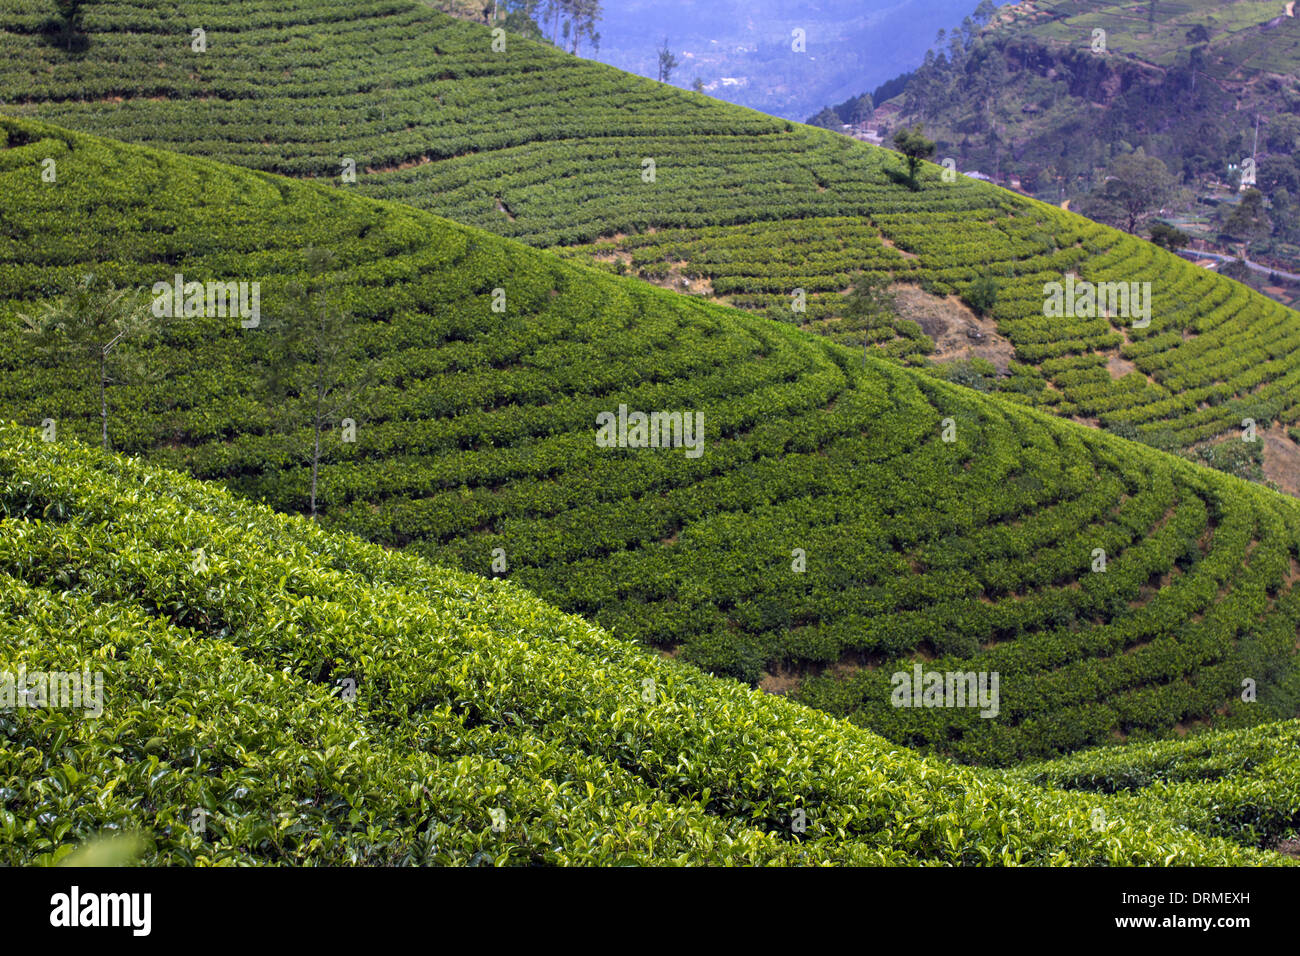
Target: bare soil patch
[(783, 682), (784, 678), (886, 241), (1118, 366), (676, 281), (1281, 459), (958, 332)]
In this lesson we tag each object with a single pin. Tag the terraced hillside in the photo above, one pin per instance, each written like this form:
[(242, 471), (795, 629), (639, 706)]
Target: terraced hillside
[(480, 725), (533, 144), (1247, 38), (1051, 93), (1214, 353), (839, 512)]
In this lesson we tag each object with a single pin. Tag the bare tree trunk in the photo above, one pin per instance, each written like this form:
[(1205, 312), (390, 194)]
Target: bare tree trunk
[(103, 400), (315, 456)]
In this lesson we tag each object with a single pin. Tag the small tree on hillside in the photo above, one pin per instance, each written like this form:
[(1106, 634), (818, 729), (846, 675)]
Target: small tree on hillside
[(826, 119), (861, 109), (981, 295), (1238, 270), (1248, 221), (521, 16), (1136, 185), (913, 144), (96, 327), (870, 302), (315, 368), (667, 63), (70, 27), (1168, 237)]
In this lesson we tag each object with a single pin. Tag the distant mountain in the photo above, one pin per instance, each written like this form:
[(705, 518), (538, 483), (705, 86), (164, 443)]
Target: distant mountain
[(1045, 96), (1052, 88), (742, 49)]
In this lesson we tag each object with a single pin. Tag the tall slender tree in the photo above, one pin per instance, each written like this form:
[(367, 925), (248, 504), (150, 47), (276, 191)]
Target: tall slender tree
[(70, 25), (95, 327), (667, 63), (315, 367), (870, 302)]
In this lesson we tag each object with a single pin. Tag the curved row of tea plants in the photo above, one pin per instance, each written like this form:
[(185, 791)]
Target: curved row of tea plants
[(323, 700), (1242, 783), (1213, 355)]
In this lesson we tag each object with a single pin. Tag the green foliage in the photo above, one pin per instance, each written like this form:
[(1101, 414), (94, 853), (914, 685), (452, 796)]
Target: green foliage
[(976, 373), (1027, 97), (870, 306), (1244, 784), (483, 727), (1247, 220), (477, 435), (1245, 459), (758, 206), (97, 328), (1168, 237), (314, 369), (110, 849), (1133, 187), (913, 144), (981, 295), (667, 63), (827, 119), (476, 700), (870, 299)]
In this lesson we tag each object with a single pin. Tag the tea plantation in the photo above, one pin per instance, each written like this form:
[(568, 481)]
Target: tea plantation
[(482, 726), (1243, 783), (518, 633), (840, 513), (532, 143)]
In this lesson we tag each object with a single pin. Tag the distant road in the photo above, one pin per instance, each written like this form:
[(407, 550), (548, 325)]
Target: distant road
[(1255, 266)]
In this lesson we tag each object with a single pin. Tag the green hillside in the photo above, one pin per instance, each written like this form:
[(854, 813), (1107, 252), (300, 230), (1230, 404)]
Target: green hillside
[(1052, 88), (485, 727), (1235, 45), (842, 516), (1242, 784), (1050, 96), (531, 143)]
